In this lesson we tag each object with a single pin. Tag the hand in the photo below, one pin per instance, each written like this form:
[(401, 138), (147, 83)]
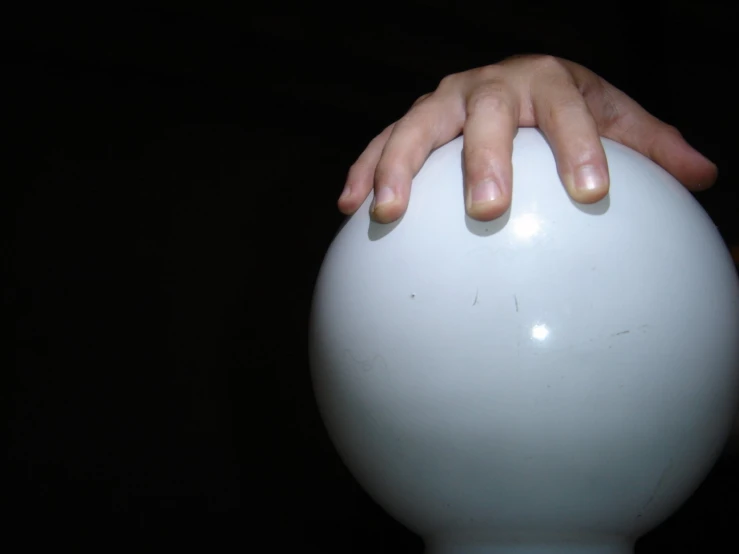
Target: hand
[(570, 104)]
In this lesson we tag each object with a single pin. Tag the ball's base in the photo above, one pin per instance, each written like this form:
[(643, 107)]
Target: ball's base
[(524, 548)]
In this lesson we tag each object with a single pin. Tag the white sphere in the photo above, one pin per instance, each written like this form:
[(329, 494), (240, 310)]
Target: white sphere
[(565, 375)]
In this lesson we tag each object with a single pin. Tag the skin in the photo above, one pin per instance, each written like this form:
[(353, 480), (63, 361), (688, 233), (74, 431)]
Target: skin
[(571, 105)]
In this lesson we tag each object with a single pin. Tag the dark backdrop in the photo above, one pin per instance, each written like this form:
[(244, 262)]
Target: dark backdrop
[(173, 185)]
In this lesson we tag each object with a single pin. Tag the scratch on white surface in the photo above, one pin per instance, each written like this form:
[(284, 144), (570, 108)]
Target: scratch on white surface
[(658, 488), (366, 365)]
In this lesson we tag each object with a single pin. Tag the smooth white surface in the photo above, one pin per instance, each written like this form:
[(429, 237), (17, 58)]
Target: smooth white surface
[(564, 375)]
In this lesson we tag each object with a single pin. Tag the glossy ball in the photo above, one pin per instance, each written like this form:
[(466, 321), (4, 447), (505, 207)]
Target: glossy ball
[(567, 372)]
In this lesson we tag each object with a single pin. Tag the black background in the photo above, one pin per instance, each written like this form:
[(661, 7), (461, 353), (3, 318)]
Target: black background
[(172, 192)]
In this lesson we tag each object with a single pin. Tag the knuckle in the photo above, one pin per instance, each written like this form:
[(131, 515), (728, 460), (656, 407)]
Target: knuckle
[(384, 171), (547, 62), (672, 130), (565, 111), (354, 171), (588, 153), (400, 164), (596, 93), (424, 123), (478, 161), (357, 171), (516, 58), (449, 81), (386, 132), (593, 87), (421, 99), (492, 96), (486, 157), (414, 126), (479, 153), (486, 73), (424, 108), (476, 75), (393, 164), (407, 122)]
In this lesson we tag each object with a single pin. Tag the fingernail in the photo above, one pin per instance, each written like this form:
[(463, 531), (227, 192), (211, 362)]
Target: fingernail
[(346, 193), (589, 177), (384, 196), (486, 191)]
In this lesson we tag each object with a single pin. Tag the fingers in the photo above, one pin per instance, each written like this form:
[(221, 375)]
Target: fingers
[(432, 122), (564, 117), (362, 174), (492, 120), (570, 104)]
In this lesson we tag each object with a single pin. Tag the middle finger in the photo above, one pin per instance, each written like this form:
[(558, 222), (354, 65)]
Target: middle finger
[(492, 121), (564, 117)]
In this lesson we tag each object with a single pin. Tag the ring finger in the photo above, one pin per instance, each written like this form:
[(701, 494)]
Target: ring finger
[(563, 116)]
